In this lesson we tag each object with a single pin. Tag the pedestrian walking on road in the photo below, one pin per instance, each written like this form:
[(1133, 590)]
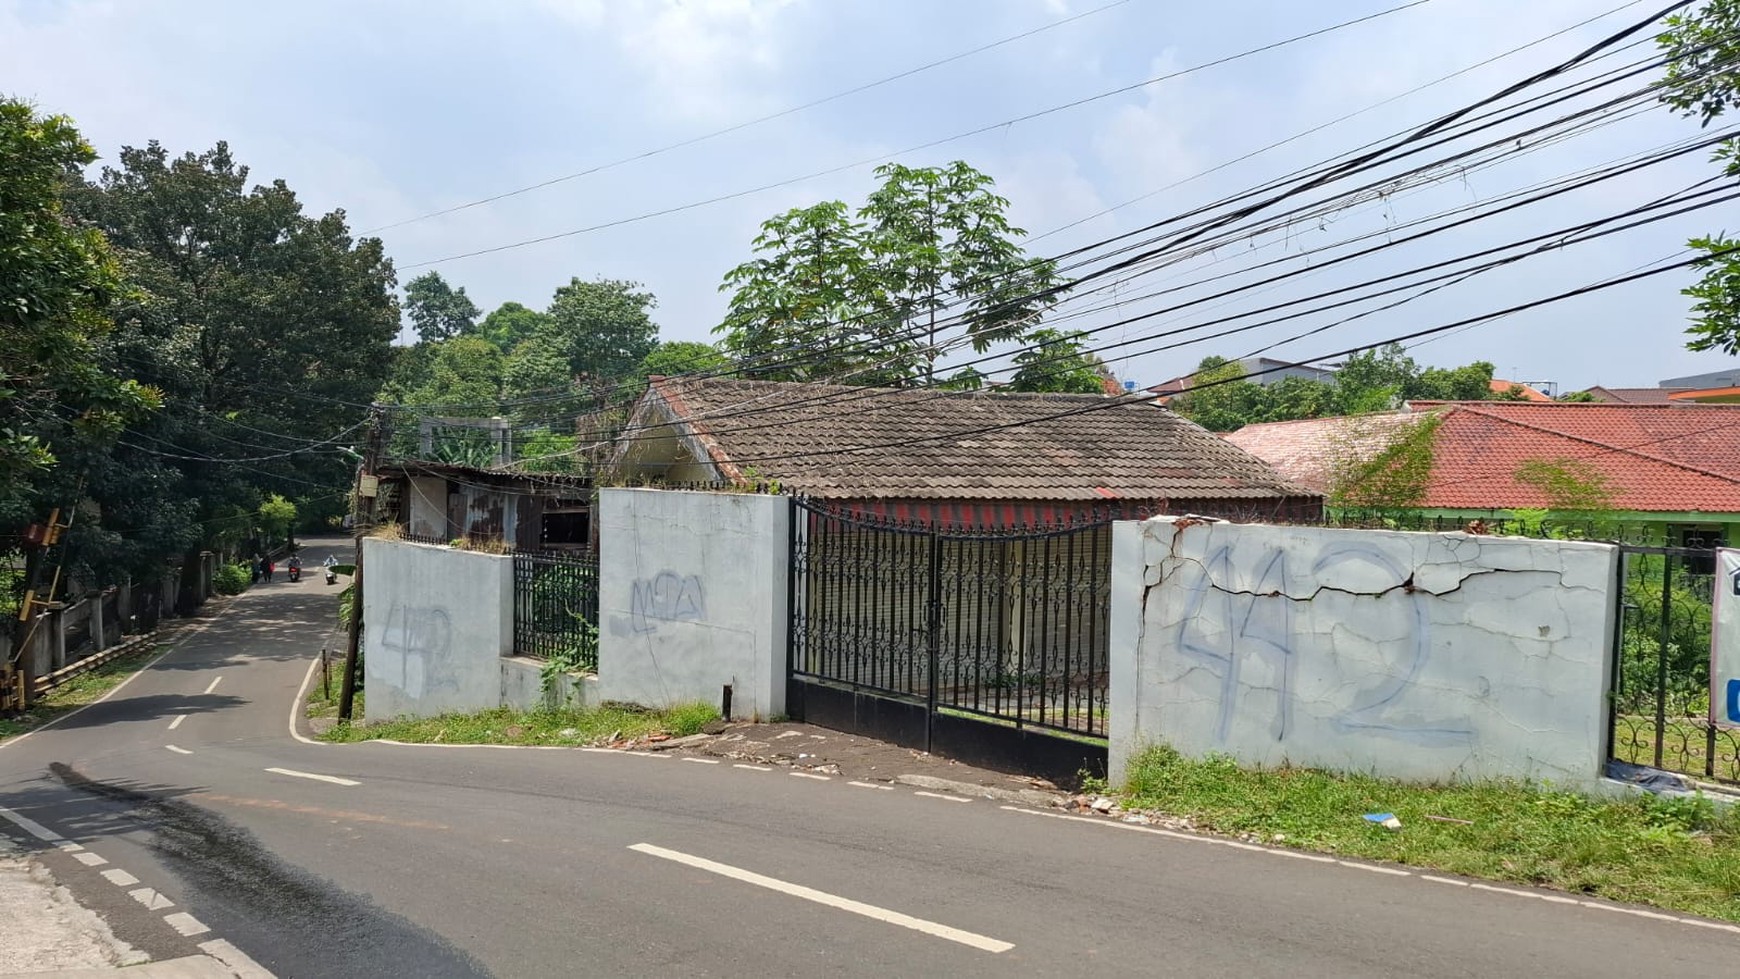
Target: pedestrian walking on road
[(270, 567)]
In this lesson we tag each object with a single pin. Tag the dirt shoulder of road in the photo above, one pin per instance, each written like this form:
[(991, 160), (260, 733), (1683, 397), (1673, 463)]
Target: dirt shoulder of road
[(820, 751)]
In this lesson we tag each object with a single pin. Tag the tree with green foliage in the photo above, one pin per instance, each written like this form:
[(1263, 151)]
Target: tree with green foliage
[(681, 357), (866, 298), (437, 310), (265, 329), (465, 377), (60, 395), (604, 327), (1058, 363), (511, 323), (1703, 80), (277, 517)]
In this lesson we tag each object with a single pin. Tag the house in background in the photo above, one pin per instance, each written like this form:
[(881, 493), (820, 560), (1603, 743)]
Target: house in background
[(1273, 372), (1671, 472), (1634, 396), (1517, 390), (442, 502), (975, 460)]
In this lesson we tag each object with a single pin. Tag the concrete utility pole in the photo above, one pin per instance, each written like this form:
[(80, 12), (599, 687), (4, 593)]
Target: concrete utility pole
[(367, 488)]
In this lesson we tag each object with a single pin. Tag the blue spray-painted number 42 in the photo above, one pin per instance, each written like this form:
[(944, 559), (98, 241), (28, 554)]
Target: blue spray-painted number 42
[(1734, 701)]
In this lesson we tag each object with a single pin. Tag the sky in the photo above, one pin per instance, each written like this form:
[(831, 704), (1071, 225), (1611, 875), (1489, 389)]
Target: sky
[(393, 109)]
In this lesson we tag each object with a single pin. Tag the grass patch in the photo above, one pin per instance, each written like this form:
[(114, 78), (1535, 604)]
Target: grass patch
[(78, 691), (1672, 853), (323, 692), (548, 726)]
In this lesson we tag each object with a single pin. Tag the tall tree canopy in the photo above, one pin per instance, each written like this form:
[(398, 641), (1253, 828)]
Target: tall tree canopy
[(870, 298), (1703, 80), (58, 389), (437, 310), (266, 329)]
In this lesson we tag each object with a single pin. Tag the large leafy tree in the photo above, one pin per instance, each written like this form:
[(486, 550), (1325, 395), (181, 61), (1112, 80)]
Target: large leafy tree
[(679, 357), (61, 401), (267, 330), (511, 323), (437, 310), (870, 298), (604, 327), (1703, 80), (1058, 362)]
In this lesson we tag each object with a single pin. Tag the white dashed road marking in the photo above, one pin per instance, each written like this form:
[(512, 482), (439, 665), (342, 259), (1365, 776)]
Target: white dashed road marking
[(179, 751), (177, 722), (945, 798), (120, 878), (819, 778), (185, 923), (872, 785), (214, 682), (753, 768), (89, 859), (152, 900), (293, 773), (967, 938), (703, 761)]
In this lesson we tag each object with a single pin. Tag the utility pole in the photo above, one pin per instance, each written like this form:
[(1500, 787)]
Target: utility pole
[(17, 680), (367, 488)]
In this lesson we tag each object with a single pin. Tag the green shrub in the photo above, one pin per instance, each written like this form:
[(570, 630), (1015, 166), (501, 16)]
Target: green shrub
[(232, 579)]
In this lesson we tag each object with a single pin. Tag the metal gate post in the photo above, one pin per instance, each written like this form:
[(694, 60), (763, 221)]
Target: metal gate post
[(1667, 611), (793, 607), (933, 635)]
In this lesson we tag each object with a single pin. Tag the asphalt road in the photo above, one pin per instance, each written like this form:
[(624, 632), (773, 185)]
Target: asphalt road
[(451, 861)]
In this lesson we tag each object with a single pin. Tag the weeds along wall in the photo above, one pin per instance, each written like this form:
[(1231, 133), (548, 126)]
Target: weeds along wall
[(692, 597), (437, 622), (1427, 657)]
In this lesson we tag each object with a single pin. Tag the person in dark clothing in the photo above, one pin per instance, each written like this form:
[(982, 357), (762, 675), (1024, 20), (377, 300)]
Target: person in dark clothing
[(256, 570), (270, 567)]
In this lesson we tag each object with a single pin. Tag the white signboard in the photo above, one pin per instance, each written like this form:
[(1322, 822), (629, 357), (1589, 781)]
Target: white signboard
[(1725, 641)]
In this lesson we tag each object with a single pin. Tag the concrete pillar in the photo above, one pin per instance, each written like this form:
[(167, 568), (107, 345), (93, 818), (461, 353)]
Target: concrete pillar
[(98, 642), (56, 625)]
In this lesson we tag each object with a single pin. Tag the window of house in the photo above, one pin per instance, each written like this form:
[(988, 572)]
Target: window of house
[(567, 528)]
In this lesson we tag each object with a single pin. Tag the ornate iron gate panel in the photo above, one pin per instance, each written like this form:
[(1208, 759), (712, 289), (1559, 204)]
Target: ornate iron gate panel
[(904, 631)]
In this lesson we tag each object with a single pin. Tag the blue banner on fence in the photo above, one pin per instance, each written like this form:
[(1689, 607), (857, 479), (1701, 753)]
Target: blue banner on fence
[(1725, 641)]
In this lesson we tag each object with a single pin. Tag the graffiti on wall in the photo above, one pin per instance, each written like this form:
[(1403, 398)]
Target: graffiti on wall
[(1246, 619), (415, 654), (664, 597)]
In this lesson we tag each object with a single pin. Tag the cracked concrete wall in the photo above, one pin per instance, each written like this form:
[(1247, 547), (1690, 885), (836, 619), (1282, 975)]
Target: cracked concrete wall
[(692, 596), (1426, 657)]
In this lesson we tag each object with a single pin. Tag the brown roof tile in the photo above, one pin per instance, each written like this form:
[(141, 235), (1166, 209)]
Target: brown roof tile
[(868, 443)]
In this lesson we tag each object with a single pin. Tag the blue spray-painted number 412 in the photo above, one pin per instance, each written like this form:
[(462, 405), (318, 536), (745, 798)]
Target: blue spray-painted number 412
[(1733, 698)]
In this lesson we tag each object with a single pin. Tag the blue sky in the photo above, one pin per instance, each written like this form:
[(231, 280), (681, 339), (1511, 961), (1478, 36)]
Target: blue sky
[(394, 108)]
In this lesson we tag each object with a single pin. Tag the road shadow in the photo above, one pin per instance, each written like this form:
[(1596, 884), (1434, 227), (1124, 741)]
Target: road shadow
[(149, 707)]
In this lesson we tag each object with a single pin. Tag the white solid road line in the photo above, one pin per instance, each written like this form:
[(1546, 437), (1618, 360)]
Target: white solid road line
[(177, 722), (296, 707), (235, 958), (967, 938), (214, 682), (179, 751), (32, 827), (334, 779)]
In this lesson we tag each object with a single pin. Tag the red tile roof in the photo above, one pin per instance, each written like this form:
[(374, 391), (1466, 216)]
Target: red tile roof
[(1655, 458), (1500, 386)]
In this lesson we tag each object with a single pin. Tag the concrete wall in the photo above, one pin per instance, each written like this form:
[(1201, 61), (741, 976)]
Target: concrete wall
[(522, 686), (693, 597), (1419, 656), (436, 624)]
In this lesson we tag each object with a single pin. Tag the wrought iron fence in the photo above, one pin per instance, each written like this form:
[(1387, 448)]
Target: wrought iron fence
[(556, 606), (1661, 682), (1004, 625)]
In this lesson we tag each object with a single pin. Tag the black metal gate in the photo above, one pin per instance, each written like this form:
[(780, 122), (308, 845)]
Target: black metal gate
[(556, 606), (986, 646), (1661, 668)]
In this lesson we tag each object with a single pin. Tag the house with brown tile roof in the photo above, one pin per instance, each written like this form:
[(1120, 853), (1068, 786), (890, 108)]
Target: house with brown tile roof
[(1633, 396), (956, 458), (1673, 466)]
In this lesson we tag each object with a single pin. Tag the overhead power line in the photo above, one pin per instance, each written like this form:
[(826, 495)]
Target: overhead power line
[(704, 137)]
